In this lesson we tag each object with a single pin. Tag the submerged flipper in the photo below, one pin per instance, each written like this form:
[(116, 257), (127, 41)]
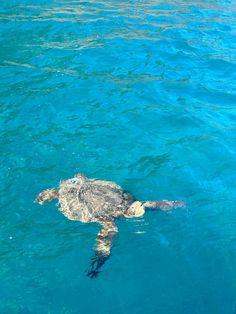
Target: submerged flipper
[(164, 205), (103, 247), (46, 196)]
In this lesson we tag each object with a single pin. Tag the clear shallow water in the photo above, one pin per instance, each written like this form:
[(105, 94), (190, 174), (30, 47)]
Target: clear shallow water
[(139, 92)]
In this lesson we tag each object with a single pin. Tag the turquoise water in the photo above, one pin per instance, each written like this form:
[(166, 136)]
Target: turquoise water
[(139, 92)]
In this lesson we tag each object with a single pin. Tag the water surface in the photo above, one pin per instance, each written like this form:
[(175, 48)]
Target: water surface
[(139, 92)]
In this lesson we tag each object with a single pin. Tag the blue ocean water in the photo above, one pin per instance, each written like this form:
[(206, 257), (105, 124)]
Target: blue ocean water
[(139, 92)]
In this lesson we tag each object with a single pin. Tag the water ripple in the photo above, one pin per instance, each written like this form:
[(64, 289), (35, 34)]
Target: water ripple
[(139, 92)]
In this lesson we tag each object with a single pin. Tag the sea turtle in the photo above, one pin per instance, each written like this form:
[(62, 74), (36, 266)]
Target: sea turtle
[(91, 200)]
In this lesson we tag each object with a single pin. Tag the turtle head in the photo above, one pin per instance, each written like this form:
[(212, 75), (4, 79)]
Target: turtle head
[(136, 209)]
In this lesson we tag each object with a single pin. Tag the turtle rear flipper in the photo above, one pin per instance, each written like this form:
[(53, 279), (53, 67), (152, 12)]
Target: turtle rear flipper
[(103, 247), (46, 196)]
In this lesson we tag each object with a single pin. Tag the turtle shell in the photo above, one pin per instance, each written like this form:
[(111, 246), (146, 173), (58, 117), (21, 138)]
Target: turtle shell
[(92, 200)]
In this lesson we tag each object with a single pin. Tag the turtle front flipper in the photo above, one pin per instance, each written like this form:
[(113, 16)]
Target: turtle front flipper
[(103, 247), (164, 205), (46, 196)]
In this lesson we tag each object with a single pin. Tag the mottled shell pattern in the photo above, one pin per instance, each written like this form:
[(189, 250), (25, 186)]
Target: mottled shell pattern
[(90, 200)]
